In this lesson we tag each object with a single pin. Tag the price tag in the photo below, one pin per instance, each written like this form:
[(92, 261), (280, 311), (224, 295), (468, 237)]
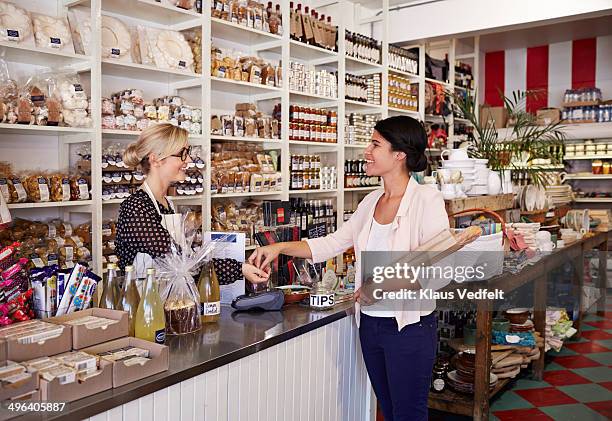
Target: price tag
[(12, 35), (182, 64), (115, 52), (55, 42)]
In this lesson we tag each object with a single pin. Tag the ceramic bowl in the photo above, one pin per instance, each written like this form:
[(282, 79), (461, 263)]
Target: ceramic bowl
[(517, 316), (501, 324)]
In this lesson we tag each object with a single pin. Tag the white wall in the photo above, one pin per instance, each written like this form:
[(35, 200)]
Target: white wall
[(448, 17)]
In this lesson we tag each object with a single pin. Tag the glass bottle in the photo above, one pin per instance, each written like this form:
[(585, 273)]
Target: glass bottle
[(210, 295), (150, 322), (109, 298), (130, 298)]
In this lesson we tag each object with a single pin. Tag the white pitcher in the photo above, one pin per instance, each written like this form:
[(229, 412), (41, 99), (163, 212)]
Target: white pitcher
[(455, 154)]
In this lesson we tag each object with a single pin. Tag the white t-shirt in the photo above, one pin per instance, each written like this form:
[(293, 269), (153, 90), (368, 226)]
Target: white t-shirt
[(379, 241)]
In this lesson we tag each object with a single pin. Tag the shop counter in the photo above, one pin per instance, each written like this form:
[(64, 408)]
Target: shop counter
[(249, 366)]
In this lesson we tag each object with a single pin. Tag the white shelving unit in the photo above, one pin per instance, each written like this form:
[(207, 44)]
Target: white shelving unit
[(102, 77), (593, 200)]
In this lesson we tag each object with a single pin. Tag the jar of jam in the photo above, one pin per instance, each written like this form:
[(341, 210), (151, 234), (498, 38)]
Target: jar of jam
[(438, 378)]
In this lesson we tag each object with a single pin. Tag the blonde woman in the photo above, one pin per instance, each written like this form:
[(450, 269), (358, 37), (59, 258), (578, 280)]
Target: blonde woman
[(147, 217)]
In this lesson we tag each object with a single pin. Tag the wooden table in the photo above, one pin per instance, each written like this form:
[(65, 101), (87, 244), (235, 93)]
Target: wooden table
[(477, 406)]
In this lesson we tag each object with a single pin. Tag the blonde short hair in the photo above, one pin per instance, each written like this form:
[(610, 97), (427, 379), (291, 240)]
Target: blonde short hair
[(163, 139)]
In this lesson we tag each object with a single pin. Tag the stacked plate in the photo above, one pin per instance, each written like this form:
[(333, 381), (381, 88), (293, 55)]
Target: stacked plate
[(559, 195), (462, 378), (525, 327), (459, 385), (531, 198)]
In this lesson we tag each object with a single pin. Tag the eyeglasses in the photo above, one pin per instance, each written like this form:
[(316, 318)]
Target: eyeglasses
[(184, 153)]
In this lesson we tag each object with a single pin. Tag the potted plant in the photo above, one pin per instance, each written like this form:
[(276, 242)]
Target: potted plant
[(526, 142)]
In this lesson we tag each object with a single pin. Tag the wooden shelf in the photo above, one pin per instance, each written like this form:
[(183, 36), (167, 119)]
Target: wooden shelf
[(445, 84), (403, 74), (28, 129), (358, 189), (359, 65), (352, 105), (585, 157), (494, 203), (411, 113), (47, 57), (459, 403), (305, 52), (297, 192), (234, 32), (593, 200), (246, 194), (588, 177), (147, 72), (308, 143), (49, 204)]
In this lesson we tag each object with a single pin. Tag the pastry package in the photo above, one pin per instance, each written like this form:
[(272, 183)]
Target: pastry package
[(37, 187), (15, 24), (17, 190), (80, 26), (59, 185), (194, 38), (51, 32), (79, 188), (8, 95), (116, 40), (68, 90), (167, 49)]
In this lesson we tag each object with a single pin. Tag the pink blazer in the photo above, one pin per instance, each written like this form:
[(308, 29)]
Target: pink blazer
[(420, 217)]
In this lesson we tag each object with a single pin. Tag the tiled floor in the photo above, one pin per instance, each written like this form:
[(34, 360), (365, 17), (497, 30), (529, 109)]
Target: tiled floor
[(577, 383)]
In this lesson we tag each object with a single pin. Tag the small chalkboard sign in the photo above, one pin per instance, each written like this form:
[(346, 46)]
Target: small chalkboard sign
[(317, 230)]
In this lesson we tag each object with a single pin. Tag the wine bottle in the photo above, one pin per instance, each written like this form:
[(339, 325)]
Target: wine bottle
[(130, 298), (109, 298), (150, 321), (210, 295)]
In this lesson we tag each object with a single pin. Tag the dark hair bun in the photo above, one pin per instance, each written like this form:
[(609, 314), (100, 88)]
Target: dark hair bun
[(407, 135), (416, 162)]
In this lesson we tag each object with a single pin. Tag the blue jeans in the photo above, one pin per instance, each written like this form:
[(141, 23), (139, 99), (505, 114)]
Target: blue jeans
[(399, 364)]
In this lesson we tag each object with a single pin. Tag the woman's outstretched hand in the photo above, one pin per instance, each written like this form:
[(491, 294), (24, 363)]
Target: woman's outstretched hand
[(254, 274), (263, 256)]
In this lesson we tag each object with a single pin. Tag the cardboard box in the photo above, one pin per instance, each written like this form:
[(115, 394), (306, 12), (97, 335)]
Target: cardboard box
[(9, 391), (123, 374), (11, 349), (546, 116), (499, 115), (30, 396), (82, 337), (54, 391)]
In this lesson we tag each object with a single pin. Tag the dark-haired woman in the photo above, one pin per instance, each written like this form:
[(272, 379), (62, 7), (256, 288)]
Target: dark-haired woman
[(398, 345)]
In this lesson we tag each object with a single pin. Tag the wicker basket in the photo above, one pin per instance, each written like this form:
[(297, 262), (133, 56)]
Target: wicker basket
[(494, 244)]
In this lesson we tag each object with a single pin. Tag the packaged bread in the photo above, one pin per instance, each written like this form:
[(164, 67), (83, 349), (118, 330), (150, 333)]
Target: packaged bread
[(59, 185), (79, 188), (37, 187), (169, 49)]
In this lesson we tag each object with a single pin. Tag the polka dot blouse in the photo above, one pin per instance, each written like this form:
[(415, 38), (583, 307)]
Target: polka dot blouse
[(140, 230)]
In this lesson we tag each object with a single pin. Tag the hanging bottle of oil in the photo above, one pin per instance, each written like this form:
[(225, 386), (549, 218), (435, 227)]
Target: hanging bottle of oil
[(150, 321)]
